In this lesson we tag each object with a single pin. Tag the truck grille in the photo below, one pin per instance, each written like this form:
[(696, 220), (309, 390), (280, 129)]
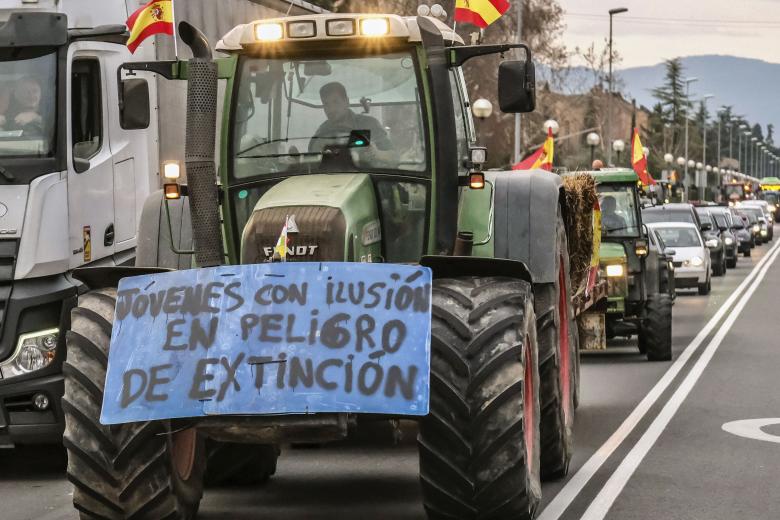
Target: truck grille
[(320, 236)]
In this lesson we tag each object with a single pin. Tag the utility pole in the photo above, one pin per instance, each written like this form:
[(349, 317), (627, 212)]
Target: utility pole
[(517, 116), (688, 82), (612, 12)]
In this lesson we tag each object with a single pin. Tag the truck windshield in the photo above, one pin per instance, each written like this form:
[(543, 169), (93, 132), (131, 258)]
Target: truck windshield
[(337, 114), (27, 106), (618, 211)]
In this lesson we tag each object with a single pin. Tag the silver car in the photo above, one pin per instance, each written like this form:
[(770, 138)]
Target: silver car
[(691, 257)]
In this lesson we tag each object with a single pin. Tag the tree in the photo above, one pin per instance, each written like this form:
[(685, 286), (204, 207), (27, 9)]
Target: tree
[(674, 100), (770, 135)]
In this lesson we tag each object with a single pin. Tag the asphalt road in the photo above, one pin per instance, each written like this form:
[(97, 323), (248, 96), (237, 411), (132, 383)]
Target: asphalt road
[(650, 438)]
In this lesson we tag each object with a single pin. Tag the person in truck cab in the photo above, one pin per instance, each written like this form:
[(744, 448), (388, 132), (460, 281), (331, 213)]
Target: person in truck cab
[(24, 107), (609, 218)]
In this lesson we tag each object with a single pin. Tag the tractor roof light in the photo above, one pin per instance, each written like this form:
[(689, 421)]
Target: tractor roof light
[(374, 27), (477, 181), (305, 29), (340, 27), (172, 191), (268, 32)]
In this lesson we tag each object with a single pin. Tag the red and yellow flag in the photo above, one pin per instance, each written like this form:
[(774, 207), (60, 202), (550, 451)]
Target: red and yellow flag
[(480, 12), (156, 17), (541, 158), (639, 161)]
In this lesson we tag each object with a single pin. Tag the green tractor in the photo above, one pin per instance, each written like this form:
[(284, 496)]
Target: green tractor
[(640, 278), (353, 134)]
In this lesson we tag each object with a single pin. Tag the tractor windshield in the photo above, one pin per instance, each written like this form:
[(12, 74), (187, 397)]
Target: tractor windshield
[(27, 105), (618, 210), (340, 114)]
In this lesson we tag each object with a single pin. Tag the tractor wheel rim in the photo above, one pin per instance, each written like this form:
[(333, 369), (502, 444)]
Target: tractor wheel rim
[(563, 344), (183, 445), (528, 406)]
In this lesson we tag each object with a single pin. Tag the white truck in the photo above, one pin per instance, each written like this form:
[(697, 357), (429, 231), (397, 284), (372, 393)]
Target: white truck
[(76, 169)]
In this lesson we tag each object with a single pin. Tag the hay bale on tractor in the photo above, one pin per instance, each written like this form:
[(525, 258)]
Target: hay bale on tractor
[(581, 197)]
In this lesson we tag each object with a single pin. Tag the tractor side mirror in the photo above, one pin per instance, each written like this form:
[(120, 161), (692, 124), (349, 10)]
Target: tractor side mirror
[(517, 87), (134, 105)]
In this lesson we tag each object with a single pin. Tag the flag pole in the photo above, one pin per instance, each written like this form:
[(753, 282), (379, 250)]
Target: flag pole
[(175, 44)]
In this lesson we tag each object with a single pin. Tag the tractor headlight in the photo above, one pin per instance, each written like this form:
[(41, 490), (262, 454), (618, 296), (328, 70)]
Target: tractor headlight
[(34, 351), (728, 241), (615, 270), (711, 243), (696, 261)]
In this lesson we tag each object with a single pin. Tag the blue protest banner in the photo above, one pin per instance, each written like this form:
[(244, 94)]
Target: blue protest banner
[(274, 338)]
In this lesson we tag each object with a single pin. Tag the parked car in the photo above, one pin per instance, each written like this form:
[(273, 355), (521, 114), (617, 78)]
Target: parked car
[(683, 242), (721, 218)]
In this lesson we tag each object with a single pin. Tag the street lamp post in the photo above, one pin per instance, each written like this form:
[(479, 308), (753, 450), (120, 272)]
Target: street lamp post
[(618, 145), (704, 129), (612, 12), (688, 82), (593, 140), (753, 140), (668, 159)]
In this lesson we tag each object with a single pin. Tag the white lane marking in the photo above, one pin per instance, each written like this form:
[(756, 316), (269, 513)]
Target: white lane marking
[(600, 506), (574, 486), (751, 429)]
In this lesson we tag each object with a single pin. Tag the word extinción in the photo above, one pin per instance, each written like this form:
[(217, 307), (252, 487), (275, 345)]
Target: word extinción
[(214, 377)]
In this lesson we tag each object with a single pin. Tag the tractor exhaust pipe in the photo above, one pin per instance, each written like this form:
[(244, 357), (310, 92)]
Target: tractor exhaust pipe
[(199, 149)]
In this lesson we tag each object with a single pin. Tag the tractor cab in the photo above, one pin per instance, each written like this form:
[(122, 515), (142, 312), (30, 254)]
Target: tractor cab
[(329, 124)]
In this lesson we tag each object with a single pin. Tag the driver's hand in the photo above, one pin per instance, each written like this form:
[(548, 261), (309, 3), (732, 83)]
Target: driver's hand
[(25, 118)]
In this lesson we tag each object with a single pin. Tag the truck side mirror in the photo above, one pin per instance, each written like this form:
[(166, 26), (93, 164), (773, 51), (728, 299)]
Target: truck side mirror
[(517, 87), (134, 104)]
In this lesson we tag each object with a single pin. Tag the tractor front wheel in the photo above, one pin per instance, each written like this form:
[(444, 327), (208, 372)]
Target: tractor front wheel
[(479, 444), (137, 470), (656, 332)]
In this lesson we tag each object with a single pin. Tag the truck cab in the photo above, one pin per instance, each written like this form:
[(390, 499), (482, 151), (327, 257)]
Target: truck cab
[(74, 174)]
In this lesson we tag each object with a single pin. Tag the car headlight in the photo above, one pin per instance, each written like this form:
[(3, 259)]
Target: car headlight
[(712, 242), (615, 270), (696, 261), (756, 228), (764, 232), (34, 351), (728, 241)]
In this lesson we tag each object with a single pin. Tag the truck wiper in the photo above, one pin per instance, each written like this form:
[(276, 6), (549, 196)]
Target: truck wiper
[(6, 174)]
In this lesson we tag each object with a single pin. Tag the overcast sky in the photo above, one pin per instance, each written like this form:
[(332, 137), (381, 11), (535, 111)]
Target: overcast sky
[(653, 30)]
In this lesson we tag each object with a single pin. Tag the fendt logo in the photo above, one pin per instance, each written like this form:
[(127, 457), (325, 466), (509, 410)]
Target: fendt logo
[(292, 251)]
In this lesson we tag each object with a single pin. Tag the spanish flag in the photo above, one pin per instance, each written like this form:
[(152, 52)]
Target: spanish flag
[(541, 158), (639, 161), (480, 12), (156, 17)]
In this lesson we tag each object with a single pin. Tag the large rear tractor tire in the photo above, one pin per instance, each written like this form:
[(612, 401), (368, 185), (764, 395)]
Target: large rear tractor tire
[(479, 445), (137, 470), (557, 337), (232, 463), (656, 332)]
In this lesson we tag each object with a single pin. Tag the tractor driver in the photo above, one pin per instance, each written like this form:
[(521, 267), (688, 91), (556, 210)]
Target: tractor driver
[(341, 120), (610, 220)]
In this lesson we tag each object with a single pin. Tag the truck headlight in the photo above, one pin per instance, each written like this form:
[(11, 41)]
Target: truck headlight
[(615, 270), (34, 351), (712, 242), (696, 261), (728, 241)]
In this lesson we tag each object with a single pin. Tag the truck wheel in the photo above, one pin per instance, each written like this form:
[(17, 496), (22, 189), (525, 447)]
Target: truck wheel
[(656, 333), (557, 365), (240, 464), (136, 470), (479, 445)]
